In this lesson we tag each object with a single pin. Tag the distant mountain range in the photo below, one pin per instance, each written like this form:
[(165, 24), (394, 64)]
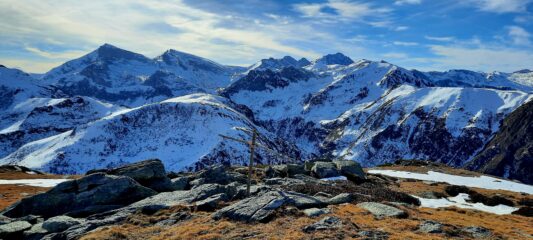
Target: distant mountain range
[(114, 106)]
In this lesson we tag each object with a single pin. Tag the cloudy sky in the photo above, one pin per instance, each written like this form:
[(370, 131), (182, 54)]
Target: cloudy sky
[(484, 35)]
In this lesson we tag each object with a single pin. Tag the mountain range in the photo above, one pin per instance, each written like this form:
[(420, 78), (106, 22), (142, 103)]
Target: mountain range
[(113, 106)]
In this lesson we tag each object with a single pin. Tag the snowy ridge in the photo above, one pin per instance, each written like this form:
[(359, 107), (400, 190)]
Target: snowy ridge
[(182, 132), (133, 107)]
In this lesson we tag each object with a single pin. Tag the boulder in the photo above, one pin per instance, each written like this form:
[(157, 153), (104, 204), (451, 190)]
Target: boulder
[(314, 212), (218, 174), (430, 227), (478, 232), (341, 198), (184, 197), (350, 168), (373, 235), (380, 210), (82, 195), (59, 223), (324, 170), (254, 209), (454, 190), (326, 223), (13, 230), (180, 183), (260, 208), (149, 173), (36, 232), (211, 203)]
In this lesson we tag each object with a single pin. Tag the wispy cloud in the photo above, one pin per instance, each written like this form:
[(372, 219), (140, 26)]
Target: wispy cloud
[(440, 39), (406, 2), (501, 6), (400, 43), (519, 35)]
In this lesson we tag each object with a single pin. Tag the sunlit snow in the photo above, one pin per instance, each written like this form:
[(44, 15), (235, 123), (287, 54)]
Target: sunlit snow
[(480, 182), (460, 202), (35, 182)]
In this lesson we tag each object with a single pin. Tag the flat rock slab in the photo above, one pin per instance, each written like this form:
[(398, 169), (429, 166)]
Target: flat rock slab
[(380, 210), (315, 212), (59, 223), (13, 229), (324, 224), (261, 208)]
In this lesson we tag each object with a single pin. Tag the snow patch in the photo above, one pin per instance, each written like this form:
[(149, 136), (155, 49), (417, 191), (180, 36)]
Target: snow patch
[(460, 202), (479, 182), (35, 182), (334, 178)]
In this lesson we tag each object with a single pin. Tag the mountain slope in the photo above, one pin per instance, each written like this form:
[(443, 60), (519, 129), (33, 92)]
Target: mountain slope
[(510, 152), (182, 132), (115, 75)]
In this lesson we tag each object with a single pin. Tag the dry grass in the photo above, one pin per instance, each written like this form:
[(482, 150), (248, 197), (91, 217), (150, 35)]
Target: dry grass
[(10, 193)]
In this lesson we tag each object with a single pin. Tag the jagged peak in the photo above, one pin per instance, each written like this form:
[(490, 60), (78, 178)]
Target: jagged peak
[(2, 66)]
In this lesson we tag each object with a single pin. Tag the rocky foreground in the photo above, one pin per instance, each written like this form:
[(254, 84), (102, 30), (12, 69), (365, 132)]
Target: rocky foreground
[(319, 200)]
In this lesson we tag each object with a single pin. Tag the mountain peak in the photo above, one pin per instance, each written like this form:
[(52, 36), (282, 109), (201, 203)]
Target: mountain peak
[(337, 58), (2, 66), (111, 52)]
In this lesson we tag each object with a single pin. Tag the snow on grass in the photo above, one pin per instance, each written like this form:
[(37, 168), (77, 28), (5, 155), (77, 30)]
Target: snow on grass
[(460, 202), (35, 182), (334, 178), (479, 182)]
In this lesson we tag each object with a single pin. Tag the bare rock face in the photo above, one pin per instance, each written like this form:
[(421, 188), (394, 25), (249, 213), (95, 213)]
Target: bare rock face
[(149, 173), (90, 194), (325, 169)]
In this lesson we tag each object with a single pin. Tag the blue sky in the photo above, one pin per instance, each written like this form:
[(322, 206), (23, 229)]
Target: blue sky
[(484, 35)]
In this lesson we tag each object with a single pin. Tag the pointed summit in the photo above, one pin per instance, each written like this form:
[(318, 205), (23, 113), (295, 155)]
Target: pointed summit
[(335, 59), (111, 53)]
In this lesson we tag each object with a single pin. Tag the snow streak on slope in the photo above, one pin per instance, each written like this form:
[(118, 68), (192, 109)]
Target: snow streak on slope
[(182, 132), (460, 201)]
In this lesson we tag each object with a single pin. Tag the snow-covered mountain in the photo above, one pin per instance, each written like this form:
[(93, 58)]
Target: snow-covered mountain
[(182, 132), (123, 77), (113, 106)]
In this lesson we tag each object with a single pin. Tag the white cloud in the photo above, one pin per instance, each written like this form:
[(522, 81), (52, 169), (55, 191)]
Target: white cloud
[(501, 6), (519, 35), (440, 39), (74, 27), (483, 58), (400, 43), (405, 2)]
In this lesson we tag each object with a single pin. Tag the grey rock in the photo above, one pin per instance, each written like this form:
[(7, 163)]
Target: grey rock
[(283, 181), (35, 232), (59, 223), (13, 230), (183, 197), (218, 174), (79, 195), (302, 201), (430, 227), (478, 232), (314, 212), (180, 183), (261, 207), (324, 170), (197, 182), (373, 235), (350, 168), (254, 209), (149, 173), (211, 203), (380, 210), (325, 223), (341, 198), (254, 190), (293, 169)]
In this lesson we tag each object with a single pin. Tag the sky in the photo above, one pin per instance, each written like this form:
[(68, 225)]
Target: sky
[(480, 35)]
